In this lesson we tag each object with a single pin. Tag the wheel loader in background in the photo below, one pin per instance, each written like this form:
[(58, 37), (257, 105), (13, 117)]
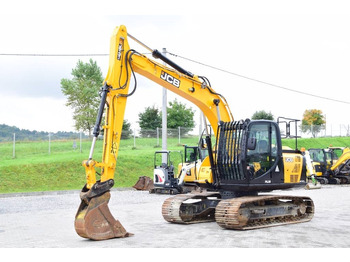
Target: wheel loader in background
[(246, 161), (332, 164)]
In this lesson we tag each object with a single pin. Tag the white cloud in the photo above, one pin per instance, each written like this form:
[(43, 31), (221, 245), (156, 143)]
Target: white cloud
[(299, 46), (41, 113)]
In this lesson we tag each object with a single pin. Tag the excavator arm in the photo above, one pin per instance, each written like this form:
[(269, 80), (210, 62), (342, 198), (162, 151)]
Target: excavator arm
[(342, 159), (93, 219)]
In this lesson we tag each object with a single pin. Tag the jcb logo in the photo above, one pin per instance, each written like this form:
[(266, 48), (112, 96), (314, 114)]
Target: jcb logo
[(170, 79), (120, 49), (289, 160)]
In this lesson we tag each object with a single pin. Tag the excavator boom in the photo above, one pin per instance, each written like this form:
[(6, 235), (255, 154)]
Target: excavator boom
[(247, 158), (94, 219)]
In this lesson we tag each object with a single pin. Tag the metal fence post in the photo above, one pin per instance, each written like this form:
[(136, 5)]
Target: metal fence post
[(80, 142), (134, 138), (49, 143), (157, 136), (332, 133), (14, 146)]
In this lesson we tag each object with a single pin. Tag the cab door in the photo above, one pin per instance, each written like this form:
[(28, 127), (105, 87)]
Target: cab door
[(263, 160)]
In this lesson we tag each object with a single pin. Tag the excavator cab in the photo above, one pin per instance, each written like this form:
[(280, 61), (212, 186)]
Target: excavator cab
[(247, 157), (191, 153), (250, 158), (195, 153), (165, 173)]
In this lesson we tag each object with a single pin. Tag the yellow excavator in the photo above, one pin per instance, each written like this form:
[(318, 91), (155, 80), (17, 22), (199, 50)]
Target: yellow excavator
[(247, 157), (332, 164)]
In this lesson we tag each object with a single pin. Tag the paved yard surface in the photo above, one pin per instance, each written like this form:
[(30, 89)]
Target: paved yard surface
[(47, 220)]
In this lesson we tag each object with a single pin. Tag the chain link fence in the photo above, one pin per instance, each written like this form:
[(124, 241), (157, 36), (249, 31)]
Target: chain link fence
[(40, 143), (50, 143), (47, 143), (176, 136), (324, 130)]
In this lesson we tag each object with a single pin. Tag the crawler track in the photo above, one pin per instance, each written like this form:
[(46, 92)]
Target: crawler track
[(263, 211), (201, 208), (242, 213)]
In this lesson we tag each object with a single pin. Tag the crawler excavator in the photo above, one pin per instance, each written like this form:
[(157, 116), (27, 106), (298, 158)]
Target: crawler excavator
[(330, 167), (247, 157)]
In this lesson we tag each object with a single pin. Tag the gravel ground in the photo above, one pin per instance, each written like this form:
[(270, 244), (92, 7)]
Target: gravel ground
[(46, 220)]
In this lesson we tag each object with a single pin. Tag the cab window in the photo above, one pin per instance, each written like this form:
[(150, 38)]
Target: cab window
[(261, 159), (191, 154)]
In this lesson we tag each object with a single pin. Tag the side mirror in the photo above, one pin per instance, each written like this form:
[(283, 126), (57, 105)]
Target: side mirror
[(251, 143), (203, 144)]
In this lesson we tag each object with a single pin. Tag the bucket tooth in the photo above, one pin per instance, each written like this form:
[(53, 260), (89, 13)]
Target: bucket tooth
[(95, 221)]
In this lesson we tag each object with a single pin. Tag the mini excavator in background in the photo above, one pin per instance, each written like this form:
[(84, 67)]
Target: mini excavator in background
[(332, 164), (166, 176), (247, 157), (171, 179)]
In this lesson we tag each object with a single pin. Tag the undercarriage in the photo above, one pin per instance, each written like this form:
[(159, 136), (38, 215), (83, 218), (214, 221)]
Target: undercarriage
[(241, 213)]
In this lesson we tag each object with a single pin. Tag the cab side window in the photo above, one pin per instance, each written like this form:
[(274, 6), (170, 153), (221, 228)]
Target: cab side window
[(191, 155)]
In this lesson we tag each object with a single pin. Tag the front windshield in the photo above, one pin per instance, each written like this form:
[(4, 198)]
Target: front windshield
[(263, 157)]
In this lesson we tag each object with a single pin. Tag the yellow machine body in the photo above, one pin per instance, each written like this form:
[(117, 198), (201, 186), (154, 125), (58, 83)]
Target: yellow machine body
[(93, 219)]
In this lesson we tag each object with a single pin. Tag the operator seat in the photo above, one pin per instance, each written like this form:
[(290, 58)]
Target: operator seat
[(263, 146)]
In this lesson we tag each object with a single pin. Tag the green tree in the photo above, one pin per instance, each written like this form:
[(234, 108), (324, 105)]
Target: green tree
[(262, 115), (150, 119), (179, 115), (126, 131), (313, 122), (82, 94)]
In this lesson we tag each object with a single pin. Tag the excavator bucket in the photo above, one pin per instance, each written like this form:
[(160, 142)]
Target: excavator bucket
[(95, 221), (312, 185), (144, 183)]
